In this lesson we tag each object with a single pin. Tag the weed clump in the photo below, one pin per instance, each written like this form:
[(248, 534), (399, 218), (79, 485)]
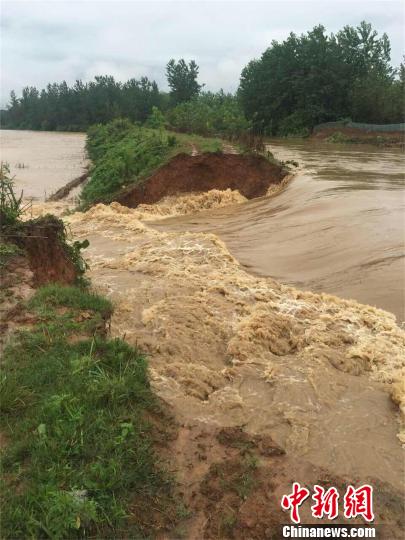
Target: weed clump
[(12, 206)]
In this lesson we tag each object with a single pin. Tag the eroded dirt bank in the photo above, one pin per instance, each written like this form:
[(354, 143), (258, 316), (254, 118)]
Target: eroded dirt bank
[(317, 374), (39, 257), (251, 175), (46, 253)]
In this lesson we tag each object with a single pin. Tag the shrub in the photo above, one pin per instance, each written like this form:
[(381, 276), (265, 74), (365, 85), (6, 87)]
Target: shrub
[(209, 114), (12, 207)]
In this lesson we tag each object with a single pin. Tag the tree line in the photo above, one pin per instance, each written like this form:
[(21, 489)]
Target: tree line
[(294, 85)]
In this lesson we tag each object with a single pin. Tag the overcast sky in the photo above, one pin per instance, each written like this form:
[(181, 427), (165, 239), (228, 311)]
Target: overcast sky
[(57, 40)]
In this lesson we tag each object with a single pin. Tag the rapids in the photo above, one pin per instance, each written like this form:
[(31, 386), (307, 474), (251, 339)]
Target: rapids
[(229, 345), (338, 227)]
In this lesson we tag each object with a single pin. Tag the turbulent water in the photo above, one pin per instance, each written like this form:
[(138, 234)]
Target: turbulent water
[(228, 347), (338, 227), (42, 162)]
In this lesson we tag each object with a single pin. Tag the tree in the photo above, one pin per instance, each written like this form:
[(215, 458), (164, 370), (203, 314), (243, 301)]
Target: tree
[(182, 79), (314, 78), (59, 106)]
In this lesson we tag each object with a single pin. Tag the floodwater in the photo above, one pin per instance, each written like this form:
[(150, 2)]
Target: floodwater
[(338, 227), (228, 346), (42, 161)]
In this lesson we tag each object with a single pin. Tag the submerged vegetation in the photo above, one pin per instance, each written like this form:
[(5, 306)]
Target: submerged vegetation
[(296, 84), (339, 137)]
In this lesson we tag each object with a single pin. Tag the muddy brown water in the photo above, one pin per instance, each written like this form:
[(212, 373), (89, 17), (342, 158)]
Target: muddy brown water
[(338, 227), (231, 347), (43, 161)]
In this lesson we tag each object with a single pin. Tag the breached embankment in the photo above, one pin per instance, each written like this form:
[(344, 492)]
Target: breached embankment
[(227, 348), (249, 174)]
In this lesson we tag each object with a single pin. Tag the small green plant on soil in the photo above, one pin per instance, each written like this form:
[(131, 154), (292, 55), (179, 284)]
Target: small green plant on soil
[(242, 482), (228, 522), (74, 404), (7, 251)]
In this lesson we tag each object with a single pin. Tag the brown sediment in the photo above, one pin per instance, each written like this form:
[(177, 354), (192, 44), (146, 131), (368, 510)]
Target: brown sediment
[(251, 175), (15, 289)]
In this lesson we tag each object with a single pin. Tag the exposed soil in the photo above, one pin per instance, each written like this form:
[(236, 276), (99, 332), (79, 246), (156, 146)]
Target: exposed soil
[(42, 259), (15, 288), (251, 175), (232, 483), (47, 256)]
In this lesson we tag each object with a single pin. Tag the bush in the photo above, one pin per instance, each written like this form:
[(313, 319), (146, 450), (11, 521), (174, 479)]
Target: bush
[(295, 125), (11, 206), (209, 114)]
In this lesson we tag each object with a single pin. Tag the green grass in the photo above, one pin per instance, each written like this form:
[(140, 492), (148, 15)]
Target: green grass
[(7, 252), (53, 295), (73, 412), (124, 154), (186, 141)]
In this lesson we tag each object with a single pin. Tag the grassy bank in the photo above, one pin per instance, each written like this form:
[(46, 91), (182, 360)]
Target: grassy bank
[(79, 421), (74, 408), (124, 154)]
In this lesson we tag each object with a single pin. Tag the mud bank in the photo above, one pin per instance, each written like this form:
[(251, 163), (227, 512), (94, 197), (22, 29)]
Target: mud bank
[(39, 258), (41, 240), (229, 349), (251, 175), (353, 135)]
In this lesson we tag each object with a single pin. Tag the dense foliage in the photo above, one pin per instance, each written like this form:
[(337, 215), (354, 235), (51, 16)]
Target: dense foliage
[(296, 84), (209, 114), (313, 78), (122, 154), (60, 107)]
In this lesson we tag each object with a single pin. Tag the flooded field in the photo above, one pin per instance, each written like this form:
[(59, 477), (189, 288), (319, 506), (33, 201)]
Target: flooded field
[(42, 162), (230, 347), (337, 228)]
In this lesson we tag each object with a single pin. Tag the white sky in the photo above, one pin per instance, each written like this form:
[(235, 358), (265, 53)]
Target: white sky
[(51, 41)]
